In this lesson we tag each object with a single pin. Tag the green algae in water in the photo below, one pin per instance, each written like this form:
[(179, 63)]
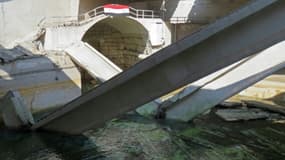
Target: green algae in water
[(136, 137), (191, 132), (179, 155), (237, 152)]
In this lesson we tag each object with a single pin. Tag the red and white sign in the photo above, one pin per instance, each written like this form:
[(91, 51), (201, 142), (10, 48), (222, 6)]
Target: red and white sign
[(116, 9)]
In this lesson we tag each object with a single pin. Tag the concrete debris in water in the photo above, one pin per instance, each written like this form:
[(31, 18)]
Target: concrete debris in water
[(245, 114), (14, 111)]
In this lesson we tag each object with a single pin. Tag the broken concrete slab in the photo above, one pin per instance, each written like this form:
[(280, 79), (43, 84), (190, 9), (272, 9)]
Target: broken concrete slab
[(231, 83), (232, 104), (95, 63), (266, 105), (242, 114), (9, 55), (14, 111), (253, 102)]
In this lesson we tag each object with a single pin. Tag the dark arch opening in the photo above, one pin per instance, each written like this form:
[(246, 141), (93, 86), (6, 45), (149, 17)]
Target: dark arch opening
[(120, 39)]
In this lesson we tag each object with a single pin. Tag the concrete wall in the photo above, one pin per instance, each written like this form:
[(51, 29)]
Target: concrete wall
[(159, 32), (59, 38), (27, 14), (19, 18), (201, 10), (188, 16), (148, 5), (44, 82), (86, 5), (182, 30)]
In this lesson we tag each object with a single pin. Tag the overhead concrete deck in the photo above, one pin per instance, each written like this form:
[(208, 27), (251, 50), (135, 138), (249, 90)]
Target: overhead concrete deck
[(247, 31)]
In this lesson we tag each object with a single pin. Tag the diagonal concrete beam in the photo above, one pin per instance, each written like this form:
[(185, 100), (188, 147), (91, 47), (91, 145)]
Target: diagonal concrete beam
[(158, 106), (243, 76), (96, 64), (247, 31)]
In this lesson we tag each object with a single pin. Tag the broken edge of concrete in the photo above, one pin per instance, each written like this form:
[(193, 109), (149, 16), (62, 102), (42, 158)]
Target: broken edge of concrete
[(14, 111)]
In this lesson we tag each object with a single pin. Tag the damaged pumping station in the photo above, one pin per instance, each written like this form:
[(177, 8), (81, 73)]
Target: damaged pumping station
[(142, 79)]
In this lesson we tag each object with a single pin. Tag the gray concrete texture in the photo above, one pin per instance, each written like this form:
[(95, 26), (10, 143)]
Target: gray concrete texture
[(20, 19), (192, 58)]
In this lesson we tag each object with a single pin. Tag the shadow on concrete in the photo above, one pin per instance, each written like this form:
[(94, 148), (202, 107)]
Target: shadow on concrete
[(43, 81), (170, 7), (200, 11), (280, 72)]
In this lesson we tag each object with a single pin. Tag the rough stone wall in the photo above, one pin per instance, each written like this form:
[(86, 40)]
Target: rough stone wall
[(122, 49), (20, 18)]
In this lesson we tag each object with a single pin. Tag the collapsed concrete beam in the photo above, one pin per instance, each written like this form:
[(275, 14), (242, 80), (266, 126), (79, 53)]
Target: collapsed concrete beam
[(243, 76), (158, 107), (96, 64), (216, 46), (14, 111)]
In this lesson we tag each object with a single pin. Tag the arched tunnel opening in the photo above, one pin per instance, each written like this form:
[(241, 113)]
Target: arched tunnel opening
[(121, 39)]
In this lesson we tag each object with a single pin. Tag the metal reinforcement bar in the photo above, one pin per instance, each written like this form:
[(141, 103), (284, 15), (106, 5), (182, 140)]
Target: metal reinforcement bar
[(249, 30)]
